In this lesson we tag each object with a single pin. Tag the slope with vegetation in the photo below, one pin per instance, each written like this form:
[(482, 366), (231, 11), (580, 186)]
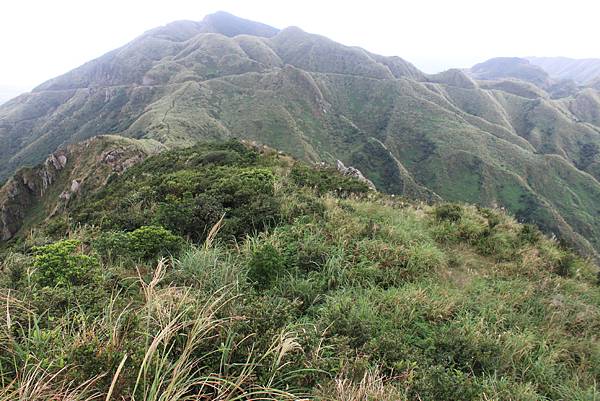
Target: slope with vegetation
[(33, 194), (502, 142), (224, 271)]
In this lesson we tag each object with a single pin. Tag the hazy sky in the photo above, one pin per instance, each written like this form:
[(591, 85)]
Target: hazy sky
[(44, 38)]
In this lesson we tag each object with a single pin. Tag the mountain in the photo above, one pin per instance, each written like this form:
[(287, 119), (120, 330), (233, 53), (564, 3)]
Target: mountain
[(233, 271), (582, 71), (511, 67), (504, 140)]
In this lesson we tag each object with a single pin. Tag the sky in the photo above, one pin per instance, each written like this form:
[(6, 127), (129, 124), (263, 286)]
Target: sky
[(45, 38)]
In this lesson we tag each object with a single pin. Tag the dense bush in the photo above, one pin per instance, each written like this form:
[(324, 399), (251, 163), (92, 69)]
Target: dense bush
[(265, 266), (324, 180), (320, 296), (63, 264), (152, 242), (147, 242), (192, 217), (187, 192), (448, 212)]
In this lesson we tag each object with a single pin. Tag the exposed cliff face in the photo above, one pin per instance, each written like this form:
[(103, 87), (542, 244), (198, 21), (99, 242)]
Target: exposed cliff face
[(23, 190), (353, 172), (51, 185)]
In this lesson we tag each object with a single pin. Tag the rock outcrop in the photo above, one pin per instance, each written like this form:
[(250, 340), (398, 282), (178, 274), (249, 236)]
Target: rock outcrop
[(62, 175), (353, 172)]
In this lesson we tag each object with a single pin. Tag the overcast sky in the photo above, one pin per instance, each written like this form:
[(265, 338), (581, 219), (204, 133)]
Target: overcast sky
[(44, 38)]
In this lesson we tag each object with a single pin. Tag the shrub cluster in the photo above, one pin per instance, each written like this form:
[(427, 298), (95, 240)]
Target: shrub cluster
[(63, 264), (322, 295), (145, 243)]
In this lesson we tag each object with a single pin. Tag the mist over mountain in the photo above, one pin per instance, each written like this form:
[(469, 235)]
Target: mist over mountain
[(505, 134), (511, 67), (582, 71)]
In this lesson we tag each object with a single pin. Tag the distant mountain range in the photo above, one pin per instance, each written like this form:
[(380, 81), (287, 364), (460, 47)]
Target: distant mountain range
[(507, 133), (582, 71)]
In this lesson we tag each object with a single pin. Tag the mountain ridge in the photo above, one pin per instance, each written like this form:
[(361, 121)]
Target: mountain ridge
[(502, 142)]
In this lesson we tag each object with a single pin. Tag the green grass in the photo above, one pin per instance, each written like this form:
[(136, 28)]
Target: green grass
[(343, 295)]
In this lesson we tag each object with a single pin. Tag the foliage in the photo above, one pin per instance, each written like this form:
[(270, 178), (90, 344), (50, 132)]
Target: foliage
[(324, 180), (63, 264), (265, 266), (321, 296), (448, 212), (187, 192), (146, 243)]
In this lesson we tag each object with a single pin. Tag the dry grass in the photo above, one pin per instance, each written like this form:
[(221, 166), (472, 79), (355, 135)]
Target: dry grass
[(372, 386)]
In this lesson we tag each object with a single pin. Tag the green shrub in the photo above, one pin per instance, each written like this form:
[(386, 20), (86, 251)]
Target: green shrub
[(530, 234), (567, 265), (190, 217), (502, 245), (324, 180), (57, 227), (179, 183), (494, 217), (446, 384), (301, 204), (112, 244), (216, 157), (153, 242), (62, 264), (265, 266), (248, 197), (14, 266), (448, 212), (147, 242)]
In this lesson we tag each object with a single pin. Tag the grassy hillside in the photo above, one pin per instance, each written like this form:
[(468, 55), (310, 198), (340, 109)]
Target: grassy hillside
[(502, 142), (225, 272)]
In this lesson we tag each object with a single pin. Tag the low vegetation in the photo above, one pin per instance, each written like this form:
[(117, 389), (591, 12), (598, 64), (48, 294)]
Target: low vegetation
[(218, 272)]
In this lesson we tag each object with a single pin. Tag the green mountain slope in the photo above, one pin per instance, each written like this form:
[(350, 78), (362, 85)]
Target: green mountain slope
[(233, 271), (501, 142)]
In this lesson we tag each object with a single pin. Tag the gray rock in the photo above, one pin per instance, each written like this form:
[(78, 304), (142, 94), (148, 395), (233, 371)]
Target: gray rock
[(354, 172)]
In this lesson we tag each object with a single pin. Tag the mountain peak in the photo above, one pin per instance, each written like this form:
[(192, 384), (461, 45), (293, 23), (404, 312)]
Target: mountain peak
[(230, 25), (453, 77), (220, 22), (510, 67)]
